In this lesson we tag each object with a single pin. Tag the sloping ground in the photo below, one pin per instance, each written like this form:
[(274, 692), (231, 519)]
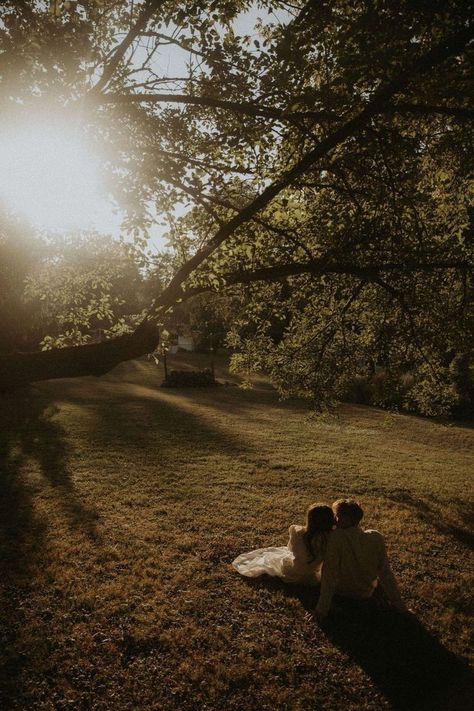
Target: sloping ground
[(123, 504)]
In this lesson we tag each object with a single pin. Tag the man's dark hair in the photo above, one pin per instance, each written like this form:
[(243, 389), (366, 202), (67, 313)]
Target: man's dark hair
[(350, 509)]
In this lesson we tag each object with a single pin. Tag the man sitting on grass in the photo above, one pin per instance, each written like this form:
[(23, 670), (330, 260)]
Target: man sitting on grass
[(355, 562)]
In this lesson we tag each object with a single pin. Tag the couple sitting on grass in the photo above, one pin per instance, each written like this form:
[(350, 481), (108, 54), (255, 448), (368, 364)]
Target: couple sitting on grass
[(331, 550)]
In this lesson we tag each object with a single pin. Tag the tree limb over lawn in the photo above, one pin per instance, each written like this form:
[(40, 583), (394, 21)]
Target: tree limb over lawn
[(345, 126)]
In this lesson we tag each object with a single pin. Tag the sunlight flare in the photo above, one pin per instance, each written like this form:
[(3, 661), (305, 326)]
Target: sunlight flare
[(50, 176)]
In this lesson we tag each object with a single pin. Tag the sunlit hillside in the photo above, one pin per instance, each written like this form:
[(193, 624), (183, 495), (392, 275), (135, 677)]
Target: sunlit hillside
[(124, 504)]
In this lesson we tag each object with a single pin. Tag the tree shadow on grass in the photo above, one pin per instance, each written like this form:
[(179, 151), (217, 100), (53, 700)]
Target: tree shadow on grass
[(30, 442), (29, 432), (409, 666), (149, 421), (429, 512)]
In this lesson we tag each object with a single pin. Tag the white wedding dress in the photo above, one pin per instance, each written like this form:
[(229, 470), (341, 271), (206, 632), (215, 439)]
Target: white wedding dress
[(290, 563)]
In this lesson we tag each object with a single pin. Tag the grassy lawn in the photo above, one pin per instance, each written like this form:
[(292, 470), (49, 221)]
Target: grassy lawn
[(122, 506)]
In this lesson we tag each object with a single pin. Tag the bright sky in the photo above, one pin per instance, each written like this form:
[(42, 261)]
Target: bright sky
[(51, 177)]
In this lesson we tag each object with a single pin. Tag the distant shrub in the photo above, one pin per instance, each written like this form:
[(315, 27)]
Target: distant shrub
[(189, 379), (450, 393), (382, 389), (432, 398), (386, 389), (462, 372), (407, 381), (359, 390)]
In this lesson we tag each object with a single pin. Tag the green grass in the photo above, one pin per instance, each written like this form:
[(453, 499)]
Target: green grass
[(123, 504)]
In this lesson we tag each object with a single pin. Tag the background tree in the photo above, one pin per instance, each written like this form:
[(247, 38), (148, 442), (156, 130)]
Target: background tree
[(85, 284)]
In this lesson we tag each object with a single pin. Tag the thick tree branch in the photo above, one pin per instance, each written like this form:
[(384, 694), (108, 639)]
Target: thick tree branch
[(322, 265), (247, 108), (17, 369)]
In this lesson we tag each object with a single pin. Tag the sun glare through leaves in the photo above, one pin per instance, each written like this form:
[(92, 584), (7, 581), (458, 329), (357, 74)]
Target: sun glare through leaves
[(50, 176)]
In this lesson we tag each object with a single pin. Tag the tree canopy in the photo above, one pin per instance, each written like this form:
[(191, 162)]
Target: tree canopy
[(323, 166)]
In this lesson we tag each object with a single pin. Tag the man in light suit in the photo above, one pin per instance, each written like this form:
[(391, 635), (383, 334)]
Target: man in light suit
[(356, 562)]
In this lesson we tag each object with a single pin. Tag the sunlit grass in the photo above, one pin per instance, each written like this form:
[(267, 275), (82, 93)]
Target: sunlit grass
[(124, 505)]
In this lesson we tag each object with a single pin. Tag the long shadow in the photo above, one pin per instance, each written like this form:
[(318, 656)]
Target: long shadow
[(151, 420), (427, 512), (411, 668), (404, 660), (27, 433)]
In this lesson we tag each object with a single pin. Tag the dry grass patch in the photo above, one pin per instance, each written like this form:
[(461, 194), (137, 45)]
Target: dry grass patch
[(123, 505)]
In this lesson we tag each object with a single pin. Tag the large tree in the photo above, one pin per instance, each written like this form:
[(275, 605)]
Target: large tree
[(325, 162)]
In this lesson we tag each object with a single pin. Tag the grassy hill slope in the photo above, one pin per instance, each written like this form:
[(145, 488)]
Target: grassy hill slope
[(122, 506)]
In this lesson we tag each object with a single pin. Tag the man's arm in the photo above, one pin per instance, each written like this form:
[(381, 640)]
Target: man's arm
[(329, 576), (387, 580)]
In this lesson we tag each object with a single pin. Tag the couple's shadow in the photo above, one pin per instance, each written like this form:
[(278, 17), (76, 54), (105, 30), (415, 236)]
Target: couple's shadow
[(409, 666)]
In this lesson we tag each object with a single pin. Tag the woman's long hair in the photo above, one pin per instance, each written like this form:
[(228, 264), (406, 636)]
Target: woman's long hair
[(319, 523)]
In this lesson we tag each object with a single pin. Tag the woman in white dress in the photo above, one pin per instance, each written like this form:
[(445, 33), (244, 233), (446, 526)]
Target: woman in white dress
[(302, 559)]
